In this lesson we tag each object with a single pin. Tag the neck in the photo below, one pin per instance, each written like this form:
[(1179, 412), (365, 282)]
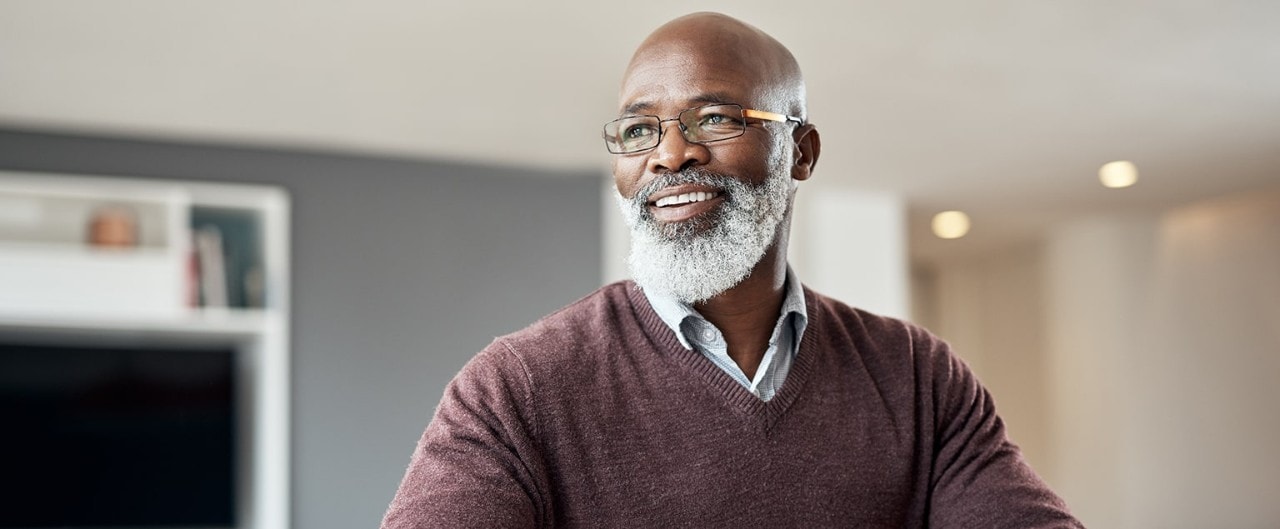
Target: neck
[(747, 313)]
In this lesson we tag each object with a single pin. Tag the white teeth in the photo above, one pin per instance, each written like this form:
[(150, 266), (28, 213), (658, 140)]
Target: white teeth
[(685, 198)]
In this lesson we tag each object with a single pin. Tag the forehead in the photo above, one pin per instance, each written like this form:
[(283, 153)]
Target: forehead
[(678, 75)]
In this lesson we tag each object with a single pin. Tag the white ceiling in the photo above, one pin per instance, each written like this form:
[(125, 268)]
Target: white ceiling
[(1004, 108)]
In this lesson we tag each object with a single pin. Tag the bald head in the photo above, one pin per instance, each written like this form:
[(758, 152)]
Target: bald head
[(720, 48)]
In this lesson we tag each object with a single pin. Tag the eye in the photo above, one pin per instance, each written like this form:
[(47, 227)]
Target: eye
[(719, 122), (714, 119), (636, 131)]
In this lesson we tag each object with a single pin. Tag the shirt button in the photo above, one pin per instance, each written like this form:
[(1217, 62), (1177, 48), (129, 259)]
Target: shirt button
[(709, 335)]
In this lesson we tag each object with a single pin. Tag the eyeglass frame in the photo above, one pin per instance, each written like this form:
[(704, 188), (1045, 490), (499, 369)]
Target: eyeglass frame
[(746, 113)]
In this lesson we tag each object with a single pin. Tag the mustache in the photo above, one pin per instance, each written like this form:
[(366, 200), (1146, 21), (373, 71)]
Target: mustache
[(727, 184)]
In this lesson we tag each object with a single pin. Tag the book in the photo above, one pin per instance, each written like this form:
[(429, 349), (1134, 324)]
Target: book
[(212, 264)]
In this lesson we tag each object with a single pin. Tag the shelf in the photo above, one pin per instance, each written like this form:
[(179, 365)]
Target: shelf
[(70, 278), (194, 324)]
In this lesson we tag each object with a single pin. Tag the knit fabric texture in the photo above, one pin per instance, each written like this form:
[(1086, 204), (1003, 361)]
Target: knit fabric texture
[(596, 416)]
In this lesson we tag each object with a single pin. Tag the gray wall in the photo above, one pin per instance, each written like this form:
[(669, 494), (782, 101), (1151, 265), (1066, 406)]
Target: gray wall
[(402, 270)]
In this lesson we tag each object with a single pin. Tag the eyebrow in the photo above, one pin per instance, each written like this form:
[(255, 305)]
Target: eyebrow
[(706, 98)]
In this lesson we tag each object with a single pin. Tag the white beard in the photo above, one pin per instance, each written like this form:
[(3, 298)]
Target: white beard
[(698, 259)]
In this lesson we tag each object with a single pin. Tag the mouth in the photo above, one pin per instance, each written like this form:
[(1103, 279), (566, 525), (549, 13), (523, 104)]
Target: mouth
[(684, 202)]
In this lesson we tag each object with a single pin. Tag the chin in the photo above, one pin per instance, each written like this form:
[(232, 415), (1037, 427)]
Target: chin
[(688, 228)]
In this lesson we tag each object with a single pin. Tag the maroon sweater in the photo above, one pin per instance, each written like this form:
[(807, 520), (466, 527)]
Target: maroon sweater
[(596, 416)]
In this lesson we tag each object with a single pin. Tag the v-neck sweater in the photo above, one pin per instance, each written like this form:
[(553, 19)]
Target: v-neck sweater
[(597, 416)]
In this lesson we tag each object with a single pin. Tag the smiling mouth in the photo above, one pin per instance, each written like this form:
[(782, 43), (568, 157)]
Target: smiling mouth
[(682, 206), (685, 198)]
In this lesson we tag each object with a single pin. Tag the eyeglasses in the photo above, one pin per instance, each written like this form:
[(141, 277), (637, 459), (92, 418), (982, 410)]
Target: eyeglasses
[(703, 124)]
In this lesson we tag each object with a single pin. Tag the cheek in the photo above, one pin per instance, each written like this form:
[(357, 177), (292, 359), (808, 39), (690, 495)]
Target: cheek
[(752, 160)]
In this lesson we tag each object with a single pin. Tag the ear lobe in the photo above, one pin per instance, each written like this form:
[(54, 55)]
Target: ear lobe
[(808, 147)]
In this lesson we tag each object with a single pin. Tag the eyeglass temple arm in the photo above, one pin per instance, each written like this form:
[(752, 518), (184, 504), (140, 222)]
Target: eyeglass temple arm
[(771, 116)]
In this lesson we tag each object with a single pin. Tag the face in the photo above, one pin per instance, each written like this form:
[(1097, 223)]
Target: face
[(663, 81), (702, 215)]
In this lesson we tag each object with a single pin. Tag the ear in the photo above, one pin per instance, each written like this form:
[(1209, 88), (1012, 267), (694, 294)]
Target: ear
[(808, 147)]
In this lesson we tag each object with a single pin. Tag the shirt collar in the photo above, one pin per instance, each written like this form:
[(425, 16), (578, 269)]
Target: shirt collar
[(673, 313)]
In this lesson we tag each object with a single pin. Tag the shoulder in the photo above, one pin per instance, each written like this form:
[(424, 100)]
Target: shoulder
[(594, 323), (556, 342), (880, 342), (840, 320), (590, 317), (891, 350)]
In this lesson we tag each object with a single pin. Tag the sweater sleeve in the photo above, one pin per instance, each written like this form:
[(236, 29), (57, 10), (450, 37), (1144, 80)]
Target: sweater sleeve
[(980, 479), (476, 464)]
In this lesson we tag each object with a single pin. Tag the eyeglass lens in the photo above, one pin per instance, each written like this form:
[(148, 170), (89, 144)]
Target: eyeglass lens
[(699, 125)]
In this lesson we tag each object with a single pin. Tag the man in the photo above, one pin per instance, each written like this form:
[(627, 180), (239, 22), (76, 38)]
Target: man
[(716, 391)]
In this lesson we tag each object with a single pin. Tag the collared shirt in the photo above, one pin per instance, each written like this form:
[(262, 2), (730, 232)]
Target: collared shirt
[(695, 332)]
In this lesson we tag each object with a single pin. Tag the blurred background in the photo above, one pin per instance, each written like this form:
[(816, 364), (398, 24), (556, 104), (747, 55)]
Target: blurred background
[(447, 184)]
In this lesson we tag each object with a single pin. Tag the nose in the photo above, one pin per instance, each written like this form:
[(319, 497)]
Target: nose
[(675, 153)]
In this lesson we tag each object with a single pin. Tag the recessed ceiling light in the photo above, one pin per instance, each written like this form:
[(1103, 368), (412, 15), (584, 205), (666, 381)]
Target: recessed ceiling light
[(950, 224), (1118, 174)]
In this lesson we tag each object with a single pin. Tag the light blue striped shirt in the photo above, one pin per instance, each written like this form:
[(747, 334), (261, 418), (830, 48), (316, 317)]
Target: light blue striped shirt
[(695, 332)]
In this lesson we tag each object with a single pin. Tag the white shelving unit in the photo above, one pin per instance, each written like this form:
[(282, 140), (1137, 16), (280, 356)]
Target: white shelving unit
[(56, 287)]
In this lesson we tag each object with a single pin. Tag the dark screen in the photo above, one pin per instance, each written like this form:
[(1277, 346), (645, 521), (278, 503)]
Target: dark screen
[(110, 437)]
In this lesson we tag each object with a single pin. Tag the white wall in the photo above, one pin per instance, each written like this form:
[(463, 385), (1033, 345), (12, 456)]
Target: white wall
[(1095, 270), (1157, 339), (1203, 423), (992, 313), (852, 245)]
